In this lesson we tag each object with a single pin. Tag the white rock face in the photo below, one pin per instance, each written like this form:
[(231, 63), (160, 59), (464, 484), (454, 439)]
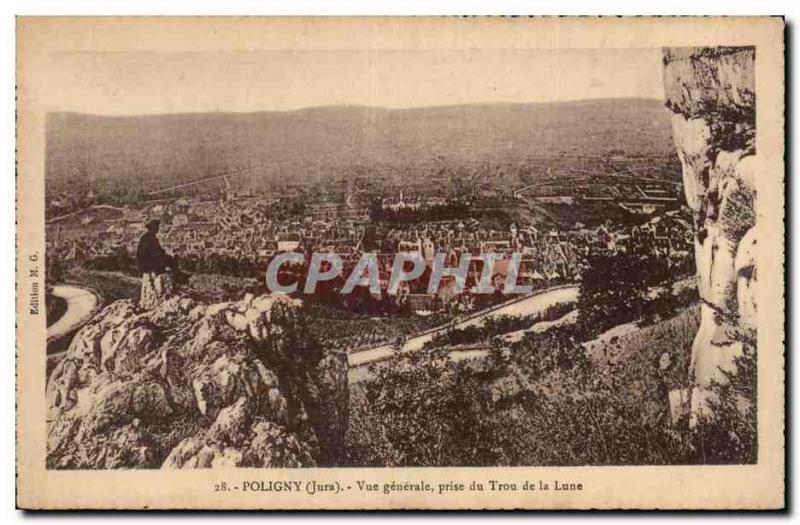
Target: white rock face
[(711, 94), (155, 289), (239, 438), (183, 384)]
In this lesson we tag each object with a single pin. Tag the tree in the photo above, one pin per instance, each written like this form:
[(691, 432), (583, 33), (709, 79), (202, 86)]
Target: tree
[(612, 291), (423, 410)]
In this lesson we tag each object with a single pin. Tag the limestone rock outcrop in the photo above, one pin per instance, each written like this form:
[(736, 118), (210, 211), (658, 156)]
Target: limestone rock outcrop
[(184, 384), (155, 289), (711, 94)]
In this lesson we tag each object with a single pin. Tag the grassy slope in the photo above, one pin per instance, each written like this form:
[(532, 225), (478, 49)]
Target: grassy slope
[(611, 410)]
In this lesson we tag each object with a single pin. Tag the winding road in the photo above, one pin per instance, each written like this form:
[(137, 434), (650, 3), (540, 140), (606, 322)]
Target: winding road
[(532, 304), (81, 304)]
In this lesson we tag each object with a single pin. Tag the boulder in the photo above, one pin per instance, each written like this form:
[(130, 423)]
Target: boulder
[(178, 385), (237, 438)]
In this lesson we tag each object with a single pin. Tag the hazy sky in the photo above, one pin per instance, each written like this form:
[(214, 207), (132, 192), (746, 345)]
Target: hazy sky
[(151, 83)]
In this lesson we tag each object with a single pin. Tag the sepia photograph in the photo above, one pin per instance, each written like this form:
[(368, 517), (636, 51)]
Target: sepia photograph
[(366, 257)]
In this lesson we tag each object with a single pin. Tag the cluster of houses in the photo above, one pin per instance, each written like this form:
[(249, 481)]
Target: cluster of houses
[(417, 202), (247, 227)]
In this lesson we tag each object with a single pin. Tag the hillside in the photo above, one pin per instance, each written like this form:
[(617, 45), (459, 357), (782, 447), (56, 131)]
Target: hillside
[(325, 141)]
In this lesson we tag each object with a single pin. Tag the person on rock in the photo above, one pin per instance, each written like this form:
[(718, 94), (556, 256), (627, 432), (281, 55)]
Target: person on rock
[(151, 258)]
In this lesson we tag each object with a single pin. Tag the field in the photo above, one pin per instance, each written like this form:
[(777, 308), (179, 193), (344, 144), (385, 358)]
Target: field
[(343, 330)]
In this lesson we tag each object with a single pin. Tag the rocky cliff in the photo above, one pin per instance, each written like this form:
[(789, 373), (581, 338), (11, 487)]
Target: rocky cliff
[(184, 384), (711, 94)]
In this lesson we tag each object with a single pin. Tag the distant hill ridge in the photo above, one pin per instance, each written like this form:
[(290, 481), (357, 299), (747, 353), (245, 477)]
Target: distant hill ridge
[(161, 149)]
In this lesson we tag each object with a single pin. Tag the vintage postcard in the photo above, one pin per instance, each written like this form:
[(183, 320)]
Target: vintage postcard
[(400, 263)]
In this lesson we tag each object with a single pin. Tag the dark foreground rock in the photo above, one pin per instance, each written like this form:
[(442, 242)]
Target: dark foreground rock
[(186, 385)]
